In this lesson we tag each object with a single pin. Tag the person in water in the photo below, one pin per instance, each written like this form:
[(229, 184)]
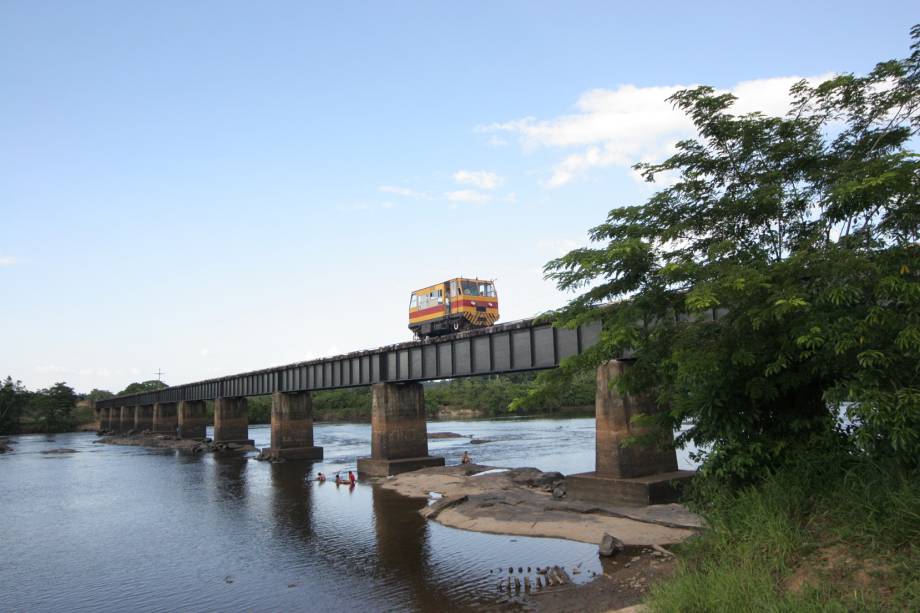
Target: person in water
[(351, 478), (466, 459), (320, 477)]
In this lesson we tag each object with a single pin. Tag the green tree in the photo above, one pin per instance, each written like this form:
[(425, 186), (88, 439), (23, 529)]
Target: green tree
[(52, 408), (14, 398), (146, 386), (98, 394), (776, 281)]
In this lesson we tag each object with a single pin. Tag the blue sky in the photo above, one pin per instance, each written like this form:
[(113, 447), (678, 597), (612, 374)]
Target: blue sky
[(211, 187)]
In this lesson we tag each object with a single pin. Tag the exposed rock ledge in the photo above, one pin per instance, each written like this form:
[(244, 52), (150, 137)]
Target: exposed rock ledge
[(515, 502), (166, 441)]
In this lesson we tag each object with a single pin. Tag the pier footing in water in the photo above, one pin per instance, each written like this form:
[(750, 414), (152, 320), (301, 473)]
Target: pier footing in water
[(399, 435)]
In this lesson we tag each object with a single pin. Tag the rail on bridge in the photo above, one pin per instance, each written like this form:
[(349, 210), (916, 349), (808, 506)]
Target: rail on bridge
[(398, 424)]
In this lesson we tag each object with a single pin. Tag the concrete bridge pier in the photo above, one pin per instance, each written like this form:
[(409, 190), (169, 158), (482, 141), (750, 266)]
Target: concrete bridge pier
[(399, 437), (164, 418), (103, 416), (125, 419), (292, 427), (143, 417), (192, 419), (231, 421), (626, 473), (114, 418)]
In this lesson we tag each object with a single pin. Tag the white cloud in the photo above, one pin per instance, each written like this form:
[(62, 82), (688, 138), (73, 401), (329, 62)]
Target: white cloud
[(560, 246), (618, 127), (407, 192), (469, 196), (7, 260), (204, 352), (482, 179)]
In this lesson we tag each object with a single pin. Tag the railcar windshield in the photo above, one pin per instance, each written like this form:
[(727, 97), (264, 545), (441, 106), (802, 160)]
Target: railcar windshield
[(478, 288)]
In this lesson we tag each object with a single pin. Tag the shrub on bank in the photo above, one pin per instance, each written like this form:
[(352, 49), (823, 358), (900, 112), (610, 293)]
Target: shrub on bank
[(840, 532)]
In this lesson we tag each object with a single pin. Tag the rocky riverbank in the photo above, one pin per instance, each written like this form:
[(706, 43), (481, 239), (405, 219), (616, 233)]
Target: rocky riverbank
[(525, 501), (521, 501)]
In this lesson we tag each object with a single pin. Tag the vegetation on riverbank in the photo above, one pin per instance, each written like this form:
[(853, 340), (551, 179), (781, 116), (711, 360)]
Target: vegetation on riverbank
[(769, 294), (47, 410), (838, 533)]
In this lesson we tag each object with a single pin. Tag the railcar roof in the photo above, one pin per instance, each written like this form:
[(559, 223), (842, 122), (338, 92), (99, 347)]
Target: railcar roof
[(421, 289)]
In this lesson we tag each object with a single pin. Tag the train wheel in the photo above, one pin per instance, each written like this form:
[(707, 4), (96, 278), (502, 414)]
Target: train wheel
[(456, 326)]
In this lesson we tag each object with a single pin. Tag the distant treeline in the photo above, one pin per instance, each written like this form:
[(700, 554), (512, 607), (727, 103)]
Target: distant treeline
[(485, 396), (53, 409)]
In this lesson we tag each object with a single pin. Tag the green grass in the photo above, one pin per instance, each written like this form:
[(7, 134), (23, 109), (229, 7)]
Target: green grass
[(832, 535)]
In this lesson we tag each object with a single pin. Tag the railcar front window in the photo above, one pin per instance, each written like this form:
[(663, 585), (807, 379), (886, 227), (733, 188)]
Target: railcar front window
[(470, 288)]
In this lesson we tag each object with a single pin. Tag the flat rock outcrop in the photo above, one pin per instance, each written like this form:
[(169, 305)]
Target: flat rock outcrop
[(519, 501)]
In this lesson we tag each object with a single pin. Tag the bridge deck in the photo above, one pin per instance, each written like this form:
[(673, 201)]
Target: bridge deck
[(511, 347)]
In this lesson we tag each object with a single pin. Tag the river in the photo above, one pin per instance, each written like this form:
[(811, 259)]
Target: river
[(127, 528)]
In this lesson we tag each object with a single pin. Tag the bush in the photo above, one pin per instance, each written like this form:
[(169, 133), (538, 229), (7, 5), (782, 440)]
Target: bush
[(839, 532)]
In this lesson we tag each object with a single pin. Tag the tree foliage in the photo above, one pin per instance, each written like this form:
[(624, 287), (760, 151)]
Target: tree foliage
[(776, 281), (145, 386), (13, 402), (97, 394), (52, 408)]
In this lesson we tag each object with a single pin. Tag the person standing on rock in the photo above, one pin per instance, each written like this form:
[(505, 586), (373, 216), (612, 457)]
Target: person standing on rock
[(466, 459), (351, 478)]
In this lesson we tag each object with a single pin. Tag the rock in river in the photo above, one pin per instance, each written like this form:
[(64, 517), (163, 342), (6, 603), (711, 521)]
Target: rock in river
[(610, 545)]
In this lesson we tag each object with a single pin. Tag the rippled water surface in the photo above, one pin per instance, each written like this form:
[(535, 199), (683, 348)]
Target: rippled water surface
[(127, 528)]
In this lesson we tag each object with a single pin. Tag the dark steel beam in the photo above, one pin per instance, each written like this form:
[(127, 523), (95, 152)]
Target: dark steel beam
[(512, 347)]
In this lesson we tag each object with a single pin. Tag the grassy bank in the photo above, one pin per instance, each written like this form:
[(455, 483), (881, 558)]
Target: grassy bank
[(837, 535)]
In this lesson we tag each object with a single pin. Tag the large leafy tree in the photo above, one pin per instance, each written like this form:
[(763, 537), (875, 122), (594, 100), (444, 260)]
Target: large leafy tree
[(52, 407), (14, 398), (776, 281)]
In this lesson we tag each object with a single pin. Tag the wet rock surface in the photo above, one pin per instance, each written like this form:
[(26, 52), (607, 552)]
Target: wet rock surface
[(439, 435), (624, 583), (516, 501), (160, 441), (610, 545)]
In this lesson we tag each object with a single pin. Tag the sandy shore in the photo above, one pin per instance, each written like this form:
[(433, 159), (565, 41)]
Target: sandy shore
[(516, 502)]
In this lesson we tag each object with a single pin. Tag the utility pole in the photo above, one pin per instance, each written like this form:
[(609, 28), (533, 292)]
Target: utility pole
[(159, 373)]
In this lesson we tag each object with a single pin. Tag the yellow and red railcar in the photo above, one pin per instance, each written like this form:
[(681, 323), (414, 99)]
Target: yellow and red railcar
[(454, 305)]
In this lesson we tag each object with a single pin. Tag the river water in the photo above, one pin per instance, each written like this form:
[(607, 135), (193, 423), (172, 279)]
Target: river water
[(127, 528)]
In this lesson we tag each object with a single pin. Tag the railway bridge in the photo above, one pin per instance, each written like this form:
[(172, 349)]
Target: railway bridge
[(624, 473)]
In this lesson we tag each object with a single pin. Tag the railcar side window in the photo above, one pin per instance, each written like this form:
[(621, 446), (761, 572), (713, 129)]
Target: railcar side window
[(413, 302)]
